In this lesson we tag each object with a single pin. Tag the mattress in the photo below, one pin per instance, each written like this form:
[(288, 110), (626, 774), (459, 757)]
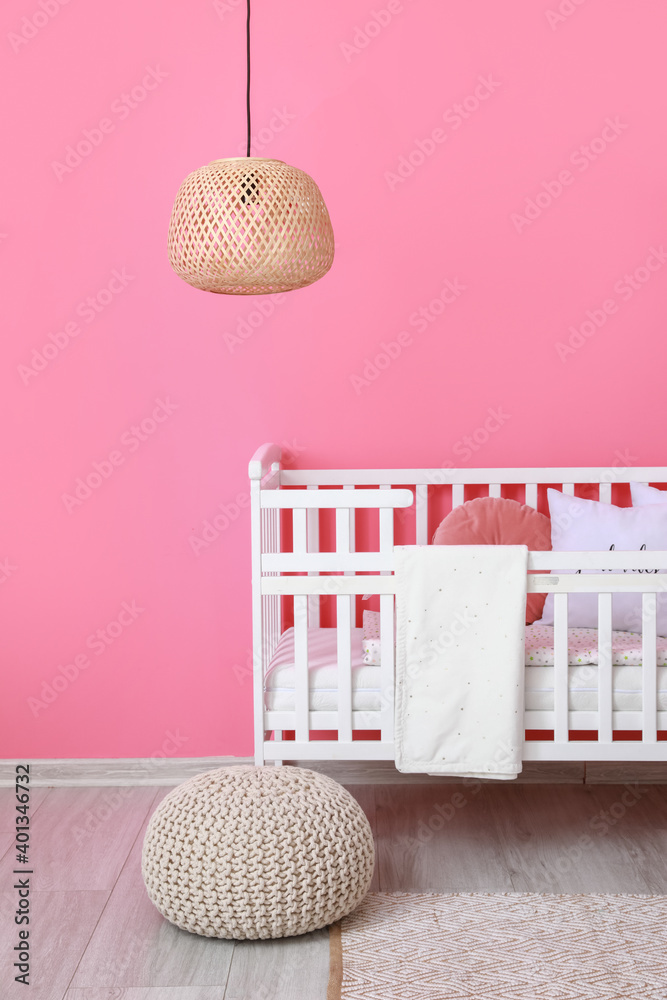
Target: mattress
[(539, 690)]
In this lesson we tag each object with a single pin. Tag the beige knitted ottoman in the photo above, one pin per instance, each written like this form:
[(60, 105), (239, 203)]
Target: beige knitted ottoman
[(257, 852)]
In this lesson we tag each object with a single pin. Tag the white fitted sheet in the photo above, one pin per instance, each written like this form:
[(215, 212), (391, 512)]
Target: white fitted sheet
[(539, 691)]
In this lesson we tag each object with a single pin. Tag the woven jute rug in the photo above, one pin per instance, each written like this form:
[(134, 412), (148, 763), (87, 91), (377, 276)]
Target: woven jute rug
[(501, 946)]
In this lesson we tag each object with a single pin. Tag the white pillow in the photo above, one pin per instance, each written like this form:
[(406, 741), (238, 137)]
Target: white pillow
[(579, 525), (643, 495)]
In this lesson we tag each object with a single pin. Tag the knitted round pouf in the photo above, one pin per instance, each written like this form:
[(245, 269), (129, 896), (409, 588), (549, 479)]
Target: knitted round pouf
[(257, 852)]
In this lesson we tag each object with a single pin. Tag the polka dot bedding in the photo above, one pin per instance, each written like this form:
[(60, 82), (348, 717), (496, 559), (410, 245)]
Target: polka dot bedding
[(582, 645)]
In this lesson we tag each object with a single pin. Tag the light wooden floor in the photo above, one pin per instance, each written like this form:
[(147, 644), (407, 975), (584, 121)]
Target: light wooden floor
[(96, 936)]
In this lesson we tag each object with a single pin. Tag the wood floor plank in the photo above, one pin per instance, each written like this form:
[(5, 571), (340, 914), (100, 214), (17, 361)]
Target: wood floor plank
[(7, 845), (489, 837), (134, 946), (558, 840), (636, 817), (60, 926), (147, 993), (8, 806), (438, 839), (365, 796), (289, 969), (81, 837)]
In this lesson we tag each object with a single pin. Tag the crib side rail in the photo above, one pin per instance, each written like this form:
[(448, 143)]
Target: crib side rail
[(459, 483), (624, 576), (477, 477), (626, 573)]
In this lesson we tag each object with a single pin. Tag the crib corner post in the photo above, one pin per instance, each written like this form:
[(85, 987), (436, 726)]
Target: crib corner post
[(257, 627)]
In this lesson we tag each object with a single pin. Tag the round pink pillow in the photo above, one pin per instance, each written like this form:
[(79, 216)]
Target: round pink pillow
[(498, 521)]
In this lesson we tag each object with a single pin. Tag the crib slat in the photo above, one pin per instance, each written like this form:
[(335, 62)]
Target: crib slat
[(313, 542), (649, 668), (277, 600), (386, 529), (352, 519), (495, 490), (301, 667), (604, 669), (352, 526), (299, 530), (531, 495), (561, 678), (458, 494), (342, 532), (267, 602), (274, 601), (568, 489), (605, 493), (387, 667), (421, 516), (344, 646)]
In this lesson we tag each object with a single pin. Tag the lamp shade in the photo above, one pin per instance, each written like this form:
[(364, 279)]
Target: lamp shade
[(250, 226)]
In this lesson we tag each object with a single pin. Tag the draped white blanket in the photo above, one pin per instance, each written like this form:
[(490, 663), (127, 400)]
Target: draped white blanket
[(460, 613)]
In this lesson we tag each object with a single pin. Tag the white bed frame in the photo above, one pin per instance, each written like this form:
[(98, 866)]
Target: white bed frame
[(347, 572)]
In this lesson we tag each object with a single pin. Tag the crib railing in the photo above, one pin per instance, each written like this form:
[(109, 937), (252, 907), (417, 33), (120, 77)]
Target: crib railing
[(561, 720), (605, 721), (306, 576)]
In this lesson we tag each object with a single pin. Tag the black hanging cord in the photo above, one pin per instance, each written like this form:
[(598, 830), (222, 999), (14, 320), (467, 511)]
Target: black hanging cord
[(248, 84)]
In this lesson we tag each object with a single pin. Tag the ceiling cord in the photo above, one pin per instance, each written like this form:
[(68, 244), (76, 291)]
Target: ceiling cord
[(248, 77)]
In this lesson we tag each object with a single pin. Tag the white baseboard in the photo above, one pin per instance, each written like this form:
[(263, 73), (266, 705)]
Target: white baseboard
[(112, 771)]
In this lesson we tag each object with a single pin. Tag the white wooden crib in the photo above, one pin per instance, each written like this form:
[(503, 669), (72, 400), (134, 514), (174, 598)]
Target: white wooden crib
[(322, 539)]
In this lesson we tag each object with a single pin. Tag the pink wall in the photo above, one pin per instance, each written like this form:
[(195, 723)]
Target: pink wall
[(511, 104)]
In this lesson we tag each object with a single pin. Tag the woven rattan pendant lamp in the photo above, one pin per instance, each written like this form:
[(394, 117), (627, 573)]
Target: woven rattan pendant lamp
[(250, 226)]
